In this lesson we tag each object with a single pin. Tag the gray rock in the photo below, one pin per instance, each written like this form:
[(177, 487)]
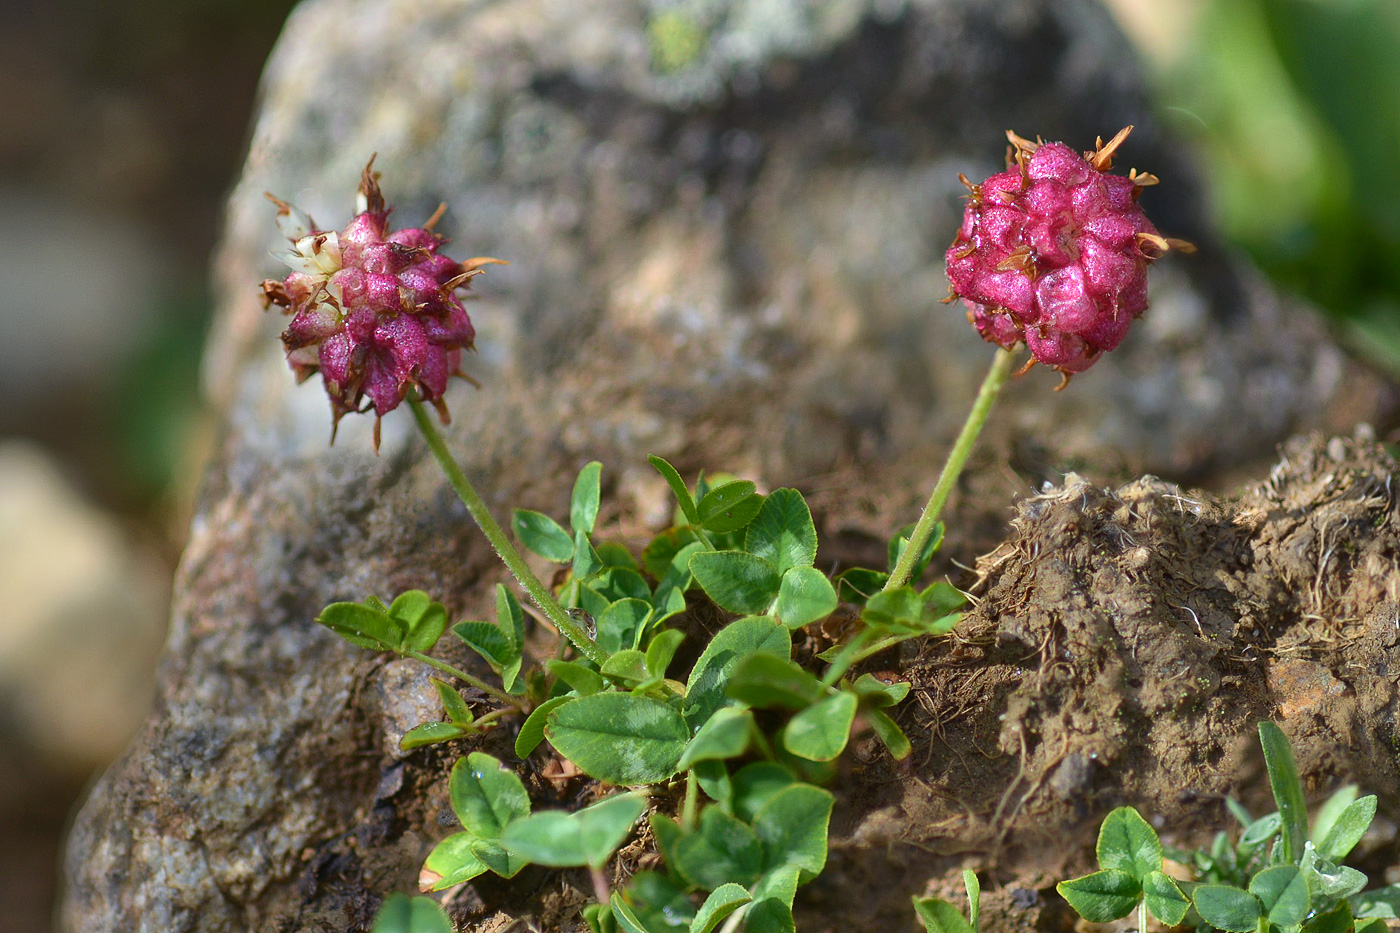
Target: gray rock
[(726, 223)]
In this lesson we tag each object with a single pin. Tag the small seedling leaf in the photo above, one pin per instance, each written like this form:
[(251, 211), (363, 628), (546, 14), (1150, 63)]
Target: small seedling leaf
[(858, 584), (578, 676), (735, 580), (724, 735), (792, 826), (678, 488), (621, 624), (729, 507), (899, 542), (722, 902), (661, 650), (1103, 896), (659, 902), (1348, 829), (1382, 902), (565, 840), (628, 667), (1128, 843), (875, 692), (820, 732), (587, 560), (769, 915), (942, 598), (1288, 789), (363, 625), (1337, 920), (1227, 907), (889, 733), (899, 610), (532, 729), (783, 534), (423, 621), (583, 506), (431, 733), (767, 680), (400, 914), (619, 738), (804, 596), (626, 920), (458, 713), (939, 916), (974, 896), (450, 863), (485, 795)]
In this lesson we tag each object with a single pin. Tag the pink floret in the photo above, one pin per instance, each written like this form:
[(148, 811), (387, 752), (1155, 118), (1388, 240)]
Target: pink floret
[(1050, 253), (386, 322)]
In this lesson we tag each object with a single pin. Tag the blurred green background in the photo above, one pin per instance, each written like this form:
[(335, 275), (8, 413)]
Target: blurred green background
[(123, 127)]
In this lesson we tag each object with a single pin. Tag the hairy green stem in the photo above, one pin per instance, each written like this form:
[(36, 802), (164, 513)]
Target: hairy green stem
[(462, 675), (539, 593), (957, 459)]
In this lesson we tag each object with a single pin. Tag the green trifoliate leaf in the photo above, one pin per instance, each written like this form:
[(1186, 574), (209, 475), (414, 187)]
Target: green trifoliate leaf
[(616, 583), (457, 711), (889, 733), (666, 832), (724, 735), (450, 863), (621, 624), (729, 507), (820, 732), (722, 902), (875, 692), (858, 584), (495, 857), (531, 732), (783, 534), (542, 535), (418, 915), (431, 733), (771, 909), (1372, 926), (1348, 828), (767, 680), (613, 554), (1288, 789), (678, 488), (1227, 907), (939, 916), (364, 625), (583, 505), (722, 849), (486, 796), (565, 840), (422, 620), (899, 542), (1103, 896), (711, 675), (804, 596), (661, 650), (619, 738), (757, 783), (1128, 843), (792, 826), (778, 883), (735, 580), (1283, 893), (1258, 833), (493, 645), (1164, 898), (659, 556)]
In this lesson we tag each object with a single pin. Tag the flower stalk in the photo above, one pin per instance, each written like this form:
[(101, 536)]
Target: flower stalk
[(996, 377), (539, 593)]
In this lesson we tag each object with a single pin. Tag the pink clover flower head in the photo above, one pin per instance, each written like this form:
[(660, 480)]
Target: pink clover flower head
[(374, 311), (1053, 253)]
